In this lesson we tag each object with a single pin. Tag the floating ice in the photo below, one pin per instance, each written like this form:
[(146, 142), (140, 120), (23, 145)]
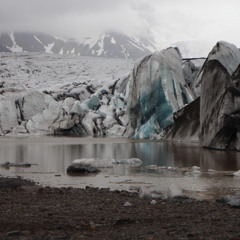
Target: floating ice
[(237, 173), (174, 191), (95, 162), (131, 161), (195, 168)]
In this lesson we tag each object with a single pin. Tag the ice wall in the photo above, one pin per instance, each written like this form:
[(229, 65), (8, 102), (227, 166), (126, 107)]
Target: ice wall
[(157, 89), (220, 98)]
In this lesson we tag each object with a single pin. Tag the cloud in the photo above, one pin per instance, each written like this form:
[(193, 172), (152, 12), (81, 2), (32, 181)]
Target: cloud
[(169, 20)]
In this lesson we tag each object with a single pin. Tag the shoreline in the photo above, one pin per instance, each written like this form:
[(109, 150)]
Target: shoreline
[(30, 211)]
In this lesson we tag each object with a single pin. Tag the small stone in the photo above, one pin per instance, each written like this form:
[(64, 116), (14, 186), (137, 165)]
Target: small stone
[(153, 202), (13, 233), (127, 204)]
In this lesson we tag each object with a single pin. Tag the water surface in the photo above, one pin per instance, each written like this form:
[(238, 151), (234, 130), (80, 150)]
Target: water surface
[(51, 156)]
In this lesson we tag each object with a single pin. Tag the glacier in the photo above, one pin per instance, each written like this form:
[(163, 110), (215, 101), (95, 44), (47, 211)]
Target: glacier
[(161, 96), (220, 98), (157, 89), (62, 95)]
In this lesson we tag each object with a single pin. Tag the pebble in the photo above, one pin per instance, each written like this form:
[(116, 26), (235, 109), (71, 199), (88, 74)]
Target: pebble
[(127, 204), (153, 202)]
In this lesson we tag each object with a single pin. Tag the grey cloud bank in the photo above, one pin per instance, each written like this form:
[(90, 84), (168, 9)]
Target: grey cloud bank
[(169, 20)]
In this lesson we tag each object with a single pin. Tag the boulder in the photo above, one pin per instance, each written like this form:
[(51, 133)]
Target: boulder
[(220, 98), (82, 168), (232, 200)]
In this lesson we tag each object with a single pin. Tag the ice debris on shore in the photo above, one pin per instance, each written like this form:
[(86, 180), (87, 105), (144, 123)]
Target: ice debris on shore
[(106, 163)]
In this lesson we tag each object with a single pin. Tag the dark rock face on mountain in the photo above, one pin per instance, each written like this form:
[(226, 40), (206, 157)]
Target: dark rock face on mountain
[(4, 49), (220, 98), (157, 89), (186, 123), (112, 45)]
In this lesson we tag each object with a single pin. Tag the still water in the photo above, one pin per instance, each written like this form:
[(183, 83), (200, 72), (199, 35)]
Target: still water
[(164, 165)]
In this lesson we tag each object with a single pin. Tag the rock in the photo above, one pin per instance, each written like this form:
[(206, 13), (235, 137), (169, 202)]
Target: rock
[(82, 168), (232, 200), (8, 164), (181, 199), (127, 204), (220, 98), (153, 202), (157, 89)]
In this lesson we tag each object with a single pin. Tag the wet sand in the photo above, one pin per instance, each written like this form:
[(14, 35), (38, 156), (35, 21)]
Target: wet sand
[(35, 212)]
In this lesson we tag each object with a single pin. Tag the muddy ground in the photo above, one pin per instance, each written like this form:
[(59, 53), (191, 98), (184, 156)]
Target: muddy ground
[(34, 212)]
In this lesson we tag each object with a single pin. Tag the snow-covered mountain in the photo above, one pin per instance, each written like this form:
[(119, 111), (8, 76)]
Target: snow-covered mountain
[(111, 44)]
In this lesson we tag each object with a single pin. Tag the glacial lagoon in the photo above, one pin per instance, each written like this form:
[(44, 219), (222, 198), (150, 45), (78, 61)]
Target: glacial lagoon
[(200, 173)]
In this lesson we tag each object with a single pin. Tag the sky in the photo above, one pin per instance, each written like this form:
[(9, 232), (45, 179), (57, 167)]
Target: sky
[(168, 21)]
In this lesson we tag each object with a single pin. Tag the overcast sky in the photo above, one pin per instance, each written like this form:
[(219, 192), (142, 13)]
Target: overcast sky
[(169, 20)]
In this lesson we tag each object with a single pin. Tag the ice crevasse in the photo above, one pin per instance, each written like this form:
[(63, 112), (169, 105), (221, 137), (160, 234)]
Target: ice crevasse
[(157, 89)]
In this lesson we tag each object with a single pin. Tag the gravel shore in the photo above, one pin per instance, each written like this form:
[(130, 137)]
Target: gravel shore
[(29, 211)]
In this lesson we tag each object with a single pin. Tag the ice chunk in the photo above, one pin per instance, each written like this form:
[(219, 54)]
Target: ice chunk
[(95, 162), (237, 173), (156, 90), (174, 191)]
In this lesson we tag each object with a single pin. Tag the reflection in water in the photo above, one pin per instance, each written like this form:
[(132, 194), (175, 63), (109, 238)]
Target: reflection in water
[(53, 157), (56, 157)]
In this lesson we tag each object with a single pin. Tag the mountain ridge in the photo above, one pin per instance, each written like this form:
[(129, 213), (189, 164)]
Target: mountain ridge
[(109, 44)]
